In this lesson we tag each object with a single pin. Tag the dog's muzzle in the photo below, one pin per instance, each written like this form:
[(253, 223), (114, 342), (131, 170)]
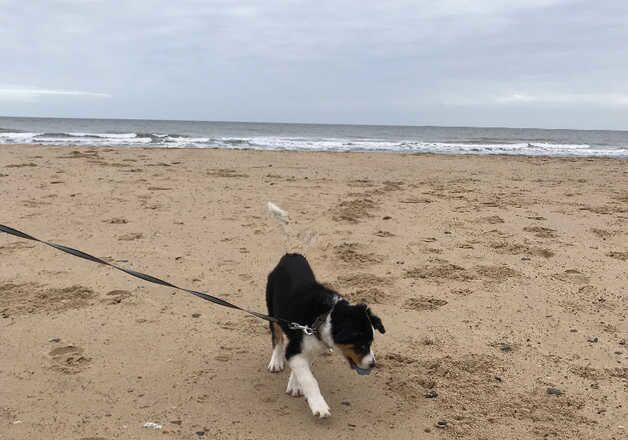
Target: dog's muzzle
[(359, 370)]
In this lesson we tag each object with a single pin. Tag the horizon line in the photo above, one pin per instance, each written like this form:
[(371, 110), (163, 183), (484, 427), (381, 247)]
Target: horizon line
[(318, 123)]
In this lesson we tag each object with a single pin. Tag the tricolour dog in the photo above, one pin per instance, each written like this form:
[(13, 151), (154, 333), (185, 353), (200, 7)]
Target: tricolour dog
[(294, 295)]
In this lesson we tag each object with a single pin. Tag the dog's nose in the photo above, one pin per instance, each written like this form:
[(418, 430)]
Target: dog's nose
[(372, 364)]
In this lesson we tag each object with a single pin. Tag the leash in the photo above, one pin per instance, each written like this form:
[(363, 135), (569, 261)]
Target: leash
[(151, 279)]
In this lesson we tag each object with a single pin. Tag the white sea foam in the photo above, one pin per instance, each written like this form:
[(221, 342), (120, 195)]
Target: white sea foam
[(105, 135), (16, 137), (165, 140)]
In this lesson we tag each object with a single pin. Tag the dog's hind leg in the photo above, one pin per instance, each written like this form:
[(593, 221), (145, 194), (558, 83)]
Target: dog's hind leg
[(277, 359)]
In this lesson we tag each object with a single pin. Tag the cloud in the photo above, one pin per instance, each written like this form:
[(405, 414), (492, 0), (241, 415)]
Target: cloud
[(451, 62), (32, 94), (599, 99)]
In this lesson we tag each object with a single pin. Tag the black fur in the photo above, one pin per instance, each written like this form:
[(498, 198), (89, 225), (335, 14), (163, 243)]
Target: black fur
[(293, 294)]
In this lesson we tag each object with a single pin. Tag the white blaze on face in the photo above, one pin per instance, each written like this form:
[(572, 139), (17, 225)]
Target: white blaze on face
[(367, 360)]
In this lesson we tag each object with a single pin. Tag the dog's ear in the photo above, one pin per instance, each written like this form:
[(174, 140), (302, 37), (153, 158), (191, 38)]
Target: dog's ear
[(375, 321), (361, 306)]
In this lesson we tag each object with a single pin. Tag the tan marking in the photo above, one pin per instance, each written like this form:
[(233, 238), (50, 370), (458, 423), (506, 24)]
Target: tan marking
[(278, 335), (349, 352)]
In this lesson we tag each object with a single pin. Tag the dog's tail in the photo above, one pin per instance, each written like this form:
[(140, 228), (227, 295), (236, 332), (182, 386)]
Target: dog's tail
[(282, 216), (295, 240), (278, 213)]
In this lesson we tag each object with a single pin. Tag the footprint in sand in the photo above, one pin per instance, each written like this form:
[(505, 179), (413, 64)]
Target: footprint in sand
[(424, 303), (116, 221), (442, 270), (361, 183), (603, 233), (416, 200), (69, 359), (506, 247), (364, 287), (130, 237), (225, 172), (21, 165), (21, 299), (462, 292), (492, 220), (158, 188), (572, 276), (623, 256), (368, 295), (350, 253), (352, 211), (541, 232), (14, 246), (116, 297), (495, 273)]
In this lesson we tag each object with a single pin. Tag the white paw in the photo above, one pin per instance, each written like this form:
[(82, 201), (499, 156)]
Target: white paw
[(276, 364), (319, 406), (277, 360), (294, 388)]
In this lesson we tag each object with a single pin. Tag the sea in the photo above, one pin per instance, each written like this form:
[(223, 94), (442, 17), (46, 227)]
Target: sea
[(129, 133)]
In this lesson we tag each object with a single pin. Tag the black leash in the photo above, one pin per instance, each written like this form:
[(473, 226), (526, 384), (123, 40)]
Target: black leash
[(151, 279)]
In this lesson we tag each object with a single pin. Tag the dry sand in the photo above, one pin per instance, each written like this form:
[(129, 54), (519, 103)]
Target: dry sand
[(496, 277)]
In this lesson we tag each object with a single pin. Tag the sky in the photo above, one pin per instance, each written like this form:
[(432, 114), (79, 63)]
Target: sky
[(516, 63)]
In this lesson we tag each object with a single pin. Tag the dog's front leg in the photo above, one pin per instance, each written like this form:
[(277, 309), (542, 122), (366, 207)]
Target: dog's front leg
[(294, 387), (300, 367)]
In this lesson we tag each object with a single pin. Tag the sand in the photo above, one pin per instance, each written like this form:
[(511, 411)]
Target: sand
[(497, 279)]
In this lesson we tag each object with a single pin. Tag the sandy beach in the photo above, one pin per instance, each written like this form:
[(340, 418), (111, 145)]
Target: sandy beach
[(501, 281)]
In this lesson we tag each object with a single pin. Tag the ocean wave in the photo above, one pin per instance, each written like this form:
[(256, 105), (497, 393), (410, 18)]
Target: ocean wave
[(17, 137), (66, 136), (10, 130), (174, 140)]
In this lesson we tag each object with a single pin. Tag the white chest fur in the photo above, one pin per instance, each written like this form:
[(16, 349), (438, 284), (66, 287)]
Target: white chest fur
[(311, 347)]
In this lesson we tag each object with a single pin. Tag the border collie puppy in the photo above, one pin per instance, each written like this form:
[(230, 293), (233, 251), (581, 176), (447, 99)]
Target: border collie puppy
[(293, 294)]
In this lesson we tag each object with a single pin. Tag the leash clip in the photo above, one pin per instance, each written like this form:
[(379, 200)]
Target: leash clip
[(304, 328)]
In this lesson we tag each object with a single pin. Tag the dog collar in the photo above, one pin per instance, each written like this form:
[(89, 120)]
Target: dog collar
[(318, 324)]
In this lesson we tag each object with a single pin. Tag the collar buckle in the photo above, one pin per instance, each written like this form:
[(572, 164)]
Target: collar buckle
[(304, 328)]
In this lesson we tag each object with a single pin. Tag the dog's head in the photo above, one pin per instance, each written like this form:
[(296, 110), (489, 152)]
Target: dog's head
[(352, 331)]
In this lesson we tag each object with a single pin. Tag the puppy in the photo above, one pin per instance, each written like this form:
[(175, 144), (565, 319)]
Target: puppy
[(293, 294)]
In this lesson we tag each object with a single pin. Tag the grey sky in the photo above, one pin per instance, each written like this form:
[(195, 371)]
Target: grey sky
[(542, 63)]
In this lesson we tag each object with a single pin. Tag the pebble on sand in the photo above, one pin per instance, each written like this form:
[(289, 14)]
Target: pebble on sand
[(152, 425), (430, 394), (554, 391)]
